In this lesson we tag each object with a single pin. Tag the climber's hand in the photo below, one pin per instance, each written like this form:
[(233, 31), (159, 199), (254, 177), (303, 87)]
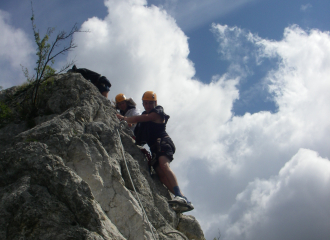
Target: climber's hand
[(120, 117)]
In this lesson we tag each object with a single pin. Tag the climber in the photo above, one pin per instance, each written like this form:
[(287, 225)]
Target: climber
[(151, 129), (101, 82), (127, 108)]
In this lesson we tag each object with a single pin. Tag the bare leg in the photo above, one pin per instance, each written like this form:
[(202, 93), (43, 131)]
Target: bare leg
[(166, 175)]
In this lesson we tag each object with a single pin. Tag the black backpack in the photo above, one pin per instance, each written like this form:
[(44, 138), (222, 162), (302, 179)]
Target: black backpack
[(101, 82)]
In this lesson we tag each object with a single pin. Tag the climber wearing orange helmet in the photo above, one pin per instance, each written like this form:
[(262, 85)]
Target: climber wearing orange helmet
[(127, 108), (151, 129)]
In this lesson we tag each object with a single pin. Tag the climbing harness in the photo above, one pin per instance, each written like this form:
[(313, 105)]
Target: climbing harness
[(149, 158), (146, 153), (122, 125)]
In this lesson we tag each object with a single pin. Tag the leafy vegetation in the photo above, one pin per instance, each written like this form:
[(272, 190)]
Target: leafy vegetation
[(46, 55), (5, 113), (28, 100)]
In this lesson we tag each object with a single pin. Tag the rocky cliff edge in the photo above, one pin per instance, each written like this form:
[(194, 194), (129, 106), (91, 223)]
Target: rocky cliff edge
[(63, 176)]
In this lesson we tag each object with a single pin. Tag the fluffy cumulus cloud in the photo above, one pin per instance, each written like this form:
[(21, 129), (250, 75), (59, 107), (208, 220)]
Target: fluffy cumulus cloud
[(259, 145), (291, 205), (135, 45), (15, 50), (219, 156), (299, 85)]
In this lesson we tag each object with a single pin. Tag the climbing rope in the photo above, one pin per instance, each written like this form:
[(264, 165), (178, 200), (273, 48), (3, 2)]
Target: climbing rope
[(122, 125)]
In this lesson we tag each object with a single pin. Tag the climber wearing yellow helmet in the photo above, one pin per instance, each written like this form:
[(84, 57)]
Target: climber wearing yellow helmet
[(127, 108), (151, 129)]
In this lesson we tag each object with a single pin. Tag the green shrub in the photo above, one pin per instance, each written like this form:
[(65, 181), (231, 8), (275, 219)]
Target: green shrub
[(5, 114)]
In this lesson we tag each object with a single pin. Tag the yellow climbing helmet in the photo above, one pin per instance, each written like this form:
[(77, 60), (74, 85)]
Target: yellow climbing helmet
[(149, 96), (120, 97)]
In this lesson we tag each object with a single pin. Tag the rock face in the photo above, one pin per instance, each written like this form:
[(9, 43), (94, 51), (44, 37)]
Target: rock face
[(66, 177)]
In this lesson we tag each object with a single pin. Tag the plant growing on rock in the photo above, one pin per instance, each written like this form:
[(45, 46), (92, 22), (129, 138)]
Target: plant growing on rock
[(46, 54), (219, 236), (5, 113)]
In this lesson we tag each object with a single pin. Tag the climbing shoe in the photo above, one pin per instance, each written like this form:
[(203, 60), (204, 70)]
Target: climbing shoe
[(180, 204)]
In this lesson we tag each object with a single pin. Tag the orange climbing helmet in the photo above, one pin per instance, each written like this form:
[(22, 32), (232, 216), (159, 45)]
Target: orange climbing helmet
[(120, 97), (149, 96)]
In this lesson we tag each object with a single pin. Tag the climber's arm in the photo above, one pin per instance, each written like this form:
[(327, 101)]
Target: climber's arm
[(153, 117)]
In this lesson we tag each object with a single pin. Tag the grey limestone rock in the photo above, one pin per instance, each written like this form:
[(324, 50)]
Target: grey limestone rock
[(66, 178)]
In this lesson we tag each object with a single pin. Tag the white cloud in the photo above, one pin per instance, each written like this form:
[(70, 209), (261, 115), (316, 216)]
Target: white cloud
[(292, 205), (305, 7), (136, 44), (259, 145), (300, 86), (15, 50)]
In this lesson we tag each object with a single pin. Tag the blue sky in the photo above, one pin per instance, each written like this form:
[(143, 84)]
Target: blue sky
[(265, 18), (245, 82)]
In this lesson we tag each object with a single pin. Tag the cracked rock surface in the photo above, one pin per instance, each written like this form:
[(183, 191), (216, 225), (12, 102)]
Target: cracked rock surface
[(66, 178)]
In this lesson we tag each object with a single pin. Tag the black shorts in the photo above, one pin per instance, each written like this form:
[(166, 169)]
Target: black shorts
[(167, 148)]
